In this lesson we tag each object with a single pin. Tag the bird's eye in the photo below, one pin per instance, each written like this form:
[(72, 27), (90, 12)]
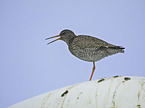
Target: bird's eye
[(62, 33)]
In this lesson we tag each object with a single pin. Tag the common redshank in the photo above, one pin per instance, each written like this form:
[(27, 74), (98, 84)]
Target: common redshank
[(86, 47)]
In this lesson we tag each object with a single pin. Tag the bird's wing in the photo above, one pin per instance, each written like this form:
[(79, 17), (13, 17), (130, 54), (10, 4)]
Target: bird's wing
[(92, 49), (84, 41), (95, 45)]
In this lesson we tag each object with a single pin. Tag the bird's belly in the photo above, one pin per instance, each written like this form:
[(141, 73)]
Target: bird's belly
[(86, 54)]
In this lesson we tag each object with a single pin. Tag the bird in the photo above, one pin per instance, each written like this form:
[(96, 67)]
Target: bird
[(87, 48)]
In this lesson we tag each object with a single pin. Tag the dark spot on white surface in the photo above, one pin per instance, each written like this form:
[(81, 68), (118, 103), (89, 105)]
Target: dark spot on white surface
[(116, 76), (101, 80), (66, 92), (138, 106), (127, 78)]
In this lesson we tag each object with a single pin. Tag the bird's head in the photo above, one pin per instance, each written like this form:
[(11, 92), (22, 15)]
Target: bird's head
[(65, 35)]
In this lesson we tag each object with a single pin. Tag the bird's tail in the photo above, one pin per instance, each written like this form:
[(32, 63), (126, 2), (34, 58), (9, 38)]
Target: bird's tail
[(118, 48)]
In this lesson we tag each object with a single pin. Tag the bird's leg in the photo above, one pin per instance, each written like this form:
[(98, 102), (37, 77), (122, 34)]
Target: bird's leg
[(92, 71)]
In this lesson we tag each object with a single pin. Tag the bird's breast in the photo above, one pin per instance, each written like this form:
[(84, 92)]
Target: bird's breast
[(86, 54)]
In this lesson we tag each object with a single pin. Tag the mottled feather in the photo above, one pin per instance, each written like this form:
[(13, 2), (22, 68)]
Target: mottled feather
[(92, 49)]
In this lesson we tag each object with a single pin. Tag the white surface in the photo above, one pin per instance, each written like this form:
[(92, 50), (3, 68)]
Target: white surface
[(110, 93)]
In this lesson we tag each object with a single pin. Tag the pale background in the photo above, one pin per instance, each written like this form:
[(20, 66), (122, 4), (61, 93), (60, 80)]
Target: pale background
[(29, 67)]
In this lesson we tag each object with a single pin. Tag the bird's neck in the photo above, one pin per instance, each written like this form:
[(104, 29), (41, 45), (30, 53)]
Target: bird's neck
[(69, 40)]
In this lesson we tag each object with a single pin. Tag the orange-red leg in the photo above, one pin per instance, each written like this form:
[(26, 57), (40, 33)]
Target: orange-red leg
[(92, 71)]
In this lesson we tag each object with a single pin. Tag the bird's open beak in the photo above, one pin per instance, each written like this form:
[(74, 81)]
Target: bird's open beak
[(53, 40)]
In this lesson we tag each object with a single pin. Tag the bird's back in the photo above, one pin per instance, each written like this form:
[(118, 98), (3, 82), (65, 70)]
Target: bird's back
[(92, 49)]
